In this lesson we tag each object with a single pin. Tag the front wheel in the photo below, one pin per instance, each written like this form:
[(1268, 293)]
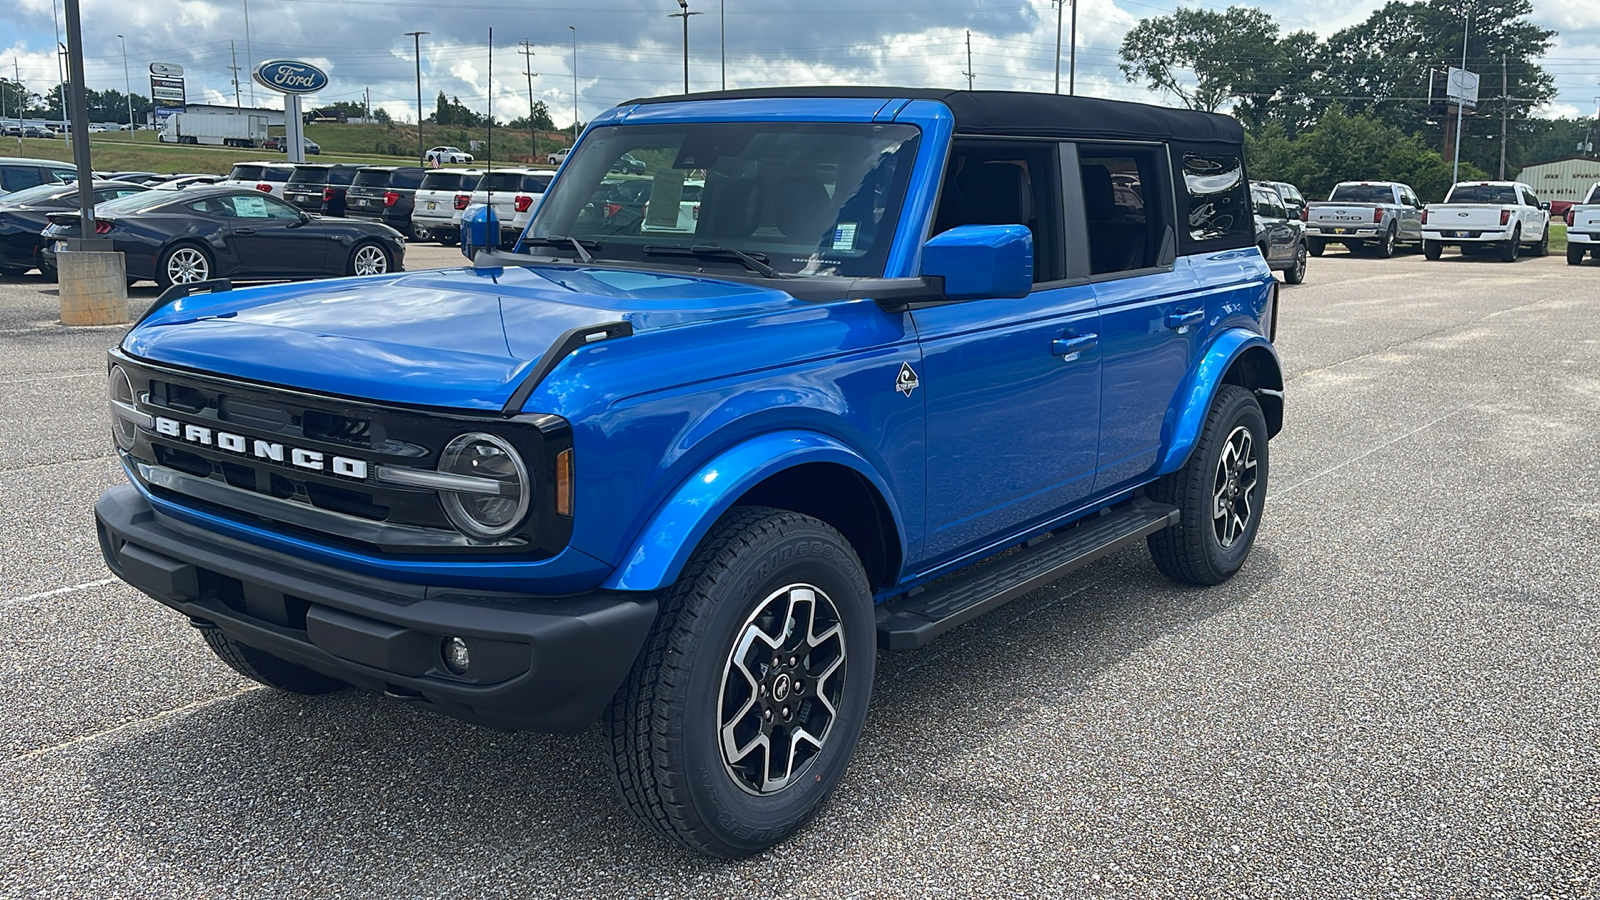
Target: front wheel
[(369, 259), (1432, 249), (1219, 492), (1574, 255), (742, 710), (1296, 273)]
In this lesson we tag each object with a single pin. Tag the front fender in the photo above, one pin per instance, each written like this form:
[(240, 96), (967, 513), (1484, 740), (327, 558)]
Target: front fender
[(1194, 403), (659, 553)]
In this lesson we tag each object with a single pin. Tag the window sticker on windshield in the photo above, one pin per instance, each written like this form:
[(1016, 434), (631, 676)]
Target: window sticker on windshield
[(250, 207), (666, 192), (844, 236)]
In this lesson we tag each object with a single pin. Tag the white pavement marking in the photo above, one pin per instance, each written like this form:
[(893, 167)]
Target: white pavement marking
[(33, 754), (47, 378), (42, 595), (1277, 493)]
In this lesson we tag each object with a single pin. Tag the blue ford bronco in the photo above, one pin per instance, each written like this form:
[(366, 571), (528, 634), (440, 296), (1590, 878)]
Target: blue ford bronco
[(866, 364)]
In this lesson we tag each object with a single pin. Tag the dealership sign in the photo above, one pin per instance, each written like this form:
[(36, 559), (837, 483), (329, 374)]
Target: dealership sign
[(166, 70), (291, 77)]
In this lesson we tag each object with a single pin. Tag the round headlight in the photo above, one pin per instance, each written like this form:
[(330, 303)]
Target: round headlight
[(499, 505), (120, 390)]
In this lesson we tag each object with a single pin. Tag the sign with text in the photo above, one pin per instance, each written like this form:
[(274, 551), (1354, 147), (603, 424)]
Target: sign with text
[(166, 70), (290, 77), (167, 93), (1462, 87)]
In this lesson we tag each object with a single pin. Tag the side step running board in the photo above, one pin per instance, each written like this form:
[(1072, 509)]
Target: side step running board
[(913, 621)]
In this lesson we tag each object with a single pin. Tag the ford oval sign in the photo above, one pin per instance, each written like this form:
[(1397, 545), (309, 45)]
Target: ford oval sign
[(291, 77)]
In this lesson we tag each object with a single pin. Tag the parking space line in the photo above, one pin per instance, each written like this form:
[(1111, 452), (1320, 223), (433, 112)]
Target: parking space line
[(43, 595), (47, 378), (57, 462), (1276, 494), (164, 714)]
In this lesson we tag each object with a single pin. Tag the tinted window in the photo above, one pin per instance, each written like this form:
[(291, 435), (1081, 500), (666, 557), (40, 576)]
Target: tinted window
[(104, 194), (1123, 214), (995, 183), (1217, 197), (1268, 205), (1498, 195), (15, 178), (246, 173), (64, 175), (1594, 195), (277, 174), (501, 182), (309, 175), (341, 175), (537, 184), (441, 181), (1362, 193), (372, 178), (405, 179)]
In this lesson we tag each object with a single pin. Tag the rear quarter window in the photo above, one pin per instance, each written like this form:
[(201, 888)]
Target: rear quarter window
[(277, 174), (1219, 216), (246, 173), (371, 178), (404, 179), (501, 182), (441, 181), (536, 184)]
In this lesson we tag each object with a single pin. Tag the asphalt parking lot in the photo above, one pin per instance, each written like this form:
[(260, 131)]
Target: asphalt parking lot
[(1398, 696)]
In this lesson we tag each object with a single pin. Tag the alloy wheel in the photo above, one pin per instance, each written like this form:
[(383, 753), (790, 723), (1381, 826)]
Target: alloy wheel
[(781, 689), (1233, 491), (370, 260), (187, 265)]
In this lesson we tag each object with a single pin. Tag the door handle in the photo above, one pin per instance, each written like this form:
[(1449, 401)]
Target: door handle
[(244, 231), (1068, 348), (1185, 319)]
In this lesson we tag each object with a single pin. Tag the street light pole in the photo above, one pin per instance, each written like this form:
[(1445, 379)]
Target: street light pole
[(61, 72), (249, 59), (574, 30), (684, 13), (722, 22), (1059, 10), (127, 86), (1072, 60), (416, 46), (1455, 171)]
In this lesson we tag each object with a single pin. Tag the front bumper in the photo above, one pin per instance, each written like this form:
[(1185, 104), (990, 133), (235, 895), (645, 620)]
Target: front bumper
[(547, 663)]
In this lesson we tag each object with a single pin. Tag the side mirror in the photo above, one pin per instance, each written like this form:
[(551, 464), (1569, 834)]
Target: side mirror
[(981, 261), (480, 229), (1545, 206)]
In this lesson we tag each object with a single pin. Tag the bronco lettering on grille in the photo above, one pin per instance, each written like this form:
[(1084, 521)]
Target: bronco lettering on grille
[(311, 460)]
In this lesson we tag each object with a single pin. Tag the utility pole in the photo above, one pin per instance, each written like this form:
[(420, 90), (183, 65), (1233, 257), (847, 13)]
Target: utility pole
[(684, 13), (1059, 10), (722, 22), (527, 69), (127, 86), (367, 106), (968, 72), (1505, 99), (232, 51), (61, 70), (574, 30), (249, 58), (1072, 60), (1455, 171), (416, 46)]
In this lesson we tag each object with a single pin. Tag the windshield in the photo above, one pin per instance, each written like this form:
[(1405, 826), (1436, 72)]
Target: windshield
[(807, 198), (1497, 194), (309, 175), (246, 173), (137, 202), (1363, 193)]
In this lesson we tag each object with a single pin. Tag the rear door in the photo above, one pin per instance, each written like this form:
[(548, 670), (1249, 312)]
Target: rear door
[(1012, 386)]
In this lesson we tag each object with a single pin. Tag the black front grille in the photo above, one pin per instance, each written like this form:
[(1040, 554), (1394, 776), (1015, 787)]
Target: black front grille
[(222, 423)]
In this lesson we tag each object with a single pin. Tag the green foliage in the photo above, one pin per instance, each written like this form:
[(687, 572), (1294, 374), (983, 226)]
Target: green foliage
[(19, 101), (454, 112), (1345, 147), (1206, 58), (103, 106)]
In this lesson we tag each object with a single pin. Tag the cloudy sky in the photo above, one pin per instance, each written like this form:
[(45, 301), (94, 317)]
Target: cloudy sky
[(630, 48)]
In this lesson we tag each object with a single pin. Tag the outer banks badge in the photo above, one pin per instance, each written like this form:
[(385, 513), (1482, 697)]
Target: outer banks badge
[(906, 381)]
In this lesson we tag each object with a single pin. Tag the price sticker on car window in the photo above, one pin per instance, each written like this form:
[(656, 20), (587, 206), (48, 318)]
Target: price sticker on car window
[(666, 192), (250, 207), (844, 236)]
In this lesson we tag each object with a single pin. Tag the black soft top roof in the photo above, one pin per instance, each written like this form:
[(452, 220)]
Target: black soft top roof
[(1022, 113)]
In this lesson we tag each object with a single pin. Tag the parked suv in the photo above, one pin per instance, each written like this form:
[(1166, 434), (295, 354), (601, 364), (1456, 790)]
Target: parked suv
[(384, 194), (20, 173), (436, 208), (692, 484), (515, 194), (319, 188), (1280, 236), (266, 176), (1583, 227)]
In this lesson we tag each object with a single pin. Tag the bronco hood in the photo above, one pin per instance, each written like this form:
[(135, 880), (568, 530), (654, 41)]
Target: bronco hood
[(457, 338)]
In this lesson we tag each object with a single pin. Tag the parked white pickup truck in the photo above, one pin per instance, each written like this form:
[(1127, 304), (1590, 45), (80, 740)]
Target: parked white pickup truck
[(1362, 214), (1478, 216), (1583, 228)]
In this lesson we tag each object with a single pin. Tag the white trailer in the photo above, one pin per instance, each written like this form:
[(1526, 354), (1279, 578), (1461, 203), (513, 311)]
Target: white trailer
[(219, 130)]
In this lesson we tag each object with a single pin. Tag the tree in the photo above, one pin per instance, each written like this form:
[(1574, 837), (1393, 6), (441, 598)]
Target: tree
[(1346, 147), (453, 112), (1207, 58), (541, 119), (19, 101)]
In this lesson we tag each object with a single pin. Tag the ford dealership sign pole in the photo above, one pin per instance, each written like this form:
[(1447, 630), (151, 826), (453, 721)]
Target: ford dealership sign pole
[(291, 79)]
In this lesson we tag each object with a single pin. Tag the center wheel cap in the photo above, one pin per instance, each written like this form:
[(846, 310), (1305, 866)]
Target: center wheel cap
[(780, 688)]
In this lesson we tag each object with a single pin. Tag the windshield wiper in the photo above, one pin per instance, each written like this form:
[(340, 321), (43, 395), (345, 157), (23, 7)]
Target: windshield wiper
[(561, 240), (755, 262)]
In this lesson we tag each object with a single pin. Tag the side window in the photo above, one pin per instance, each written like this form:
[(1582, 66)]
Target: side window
[(1006, 183), (16, 178), (1218, 198), (1126, 207), (1533, 199), (64, 176), (277, 209)]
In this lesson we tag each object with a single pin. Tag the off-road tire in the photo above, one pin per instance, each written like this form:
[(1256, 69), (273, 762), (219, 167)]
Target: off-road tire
[(1191, 551), (1316, 246), (1432, 249), (1510, 250), (663, 725), (1296, 273), (1575, 255), (1384, 246), (271, 671)]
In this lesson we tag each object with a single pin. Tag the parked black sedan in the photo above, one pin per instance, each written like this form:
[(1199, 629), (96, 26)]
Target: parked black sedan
[(179, 237), (22, 217)]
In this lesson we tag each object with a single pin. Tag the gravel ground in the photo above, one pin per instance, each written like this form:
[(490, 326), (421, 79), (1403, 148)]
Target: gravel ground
[(1398, 696)]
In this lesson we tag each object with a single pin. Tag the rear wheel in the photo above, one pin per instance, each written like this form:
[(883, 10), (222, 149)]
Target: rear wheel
[(183, 264), (369, 259), (1574, 255), (1296, 273), (1220, 492), (1432, 249), (271, 671), (1510, 249), (743, 708), (1316, 246)]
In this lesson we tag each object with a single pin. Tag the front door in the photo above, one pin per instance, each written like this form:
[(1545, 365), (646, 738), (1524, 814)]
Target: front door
[(270, 237)]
